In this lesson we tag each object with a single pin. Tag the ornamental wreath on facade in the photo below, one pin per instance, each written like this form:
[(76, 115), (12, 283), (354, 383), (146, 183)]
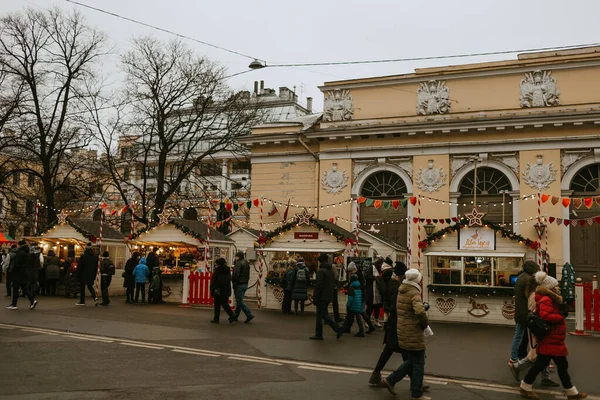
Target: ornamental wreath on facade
[(431, 179), (334, 181), (433, 97), (538, 89), (338, 106), (540, 175)]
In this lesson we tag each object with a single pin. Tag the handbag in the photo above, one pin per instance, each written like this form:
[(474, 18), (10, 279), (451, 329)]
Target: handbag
[(537, 326)]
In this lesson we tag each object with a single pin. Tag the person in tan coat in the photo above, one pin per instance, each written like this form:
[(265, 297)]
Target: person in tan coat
[(412, 321)]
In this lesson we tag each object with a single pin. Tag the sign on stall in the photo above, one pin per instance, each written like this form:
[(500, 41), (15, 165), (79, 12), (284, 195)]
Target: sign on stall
[(306, 235), (476, 238)]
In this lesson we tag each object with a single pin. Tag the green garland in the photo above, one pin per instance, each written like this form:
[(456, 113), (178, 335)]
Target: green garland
[(452, 290), (290, 225), (423, 244)]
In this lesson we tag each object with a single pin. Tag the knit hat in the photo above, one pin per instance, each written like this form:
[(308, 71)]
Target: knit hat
[(301, 259), (352, 267), (105, 254), (413, 275), (89, 245), (353, 278), (400, 268), (544, 280), (240, 255), (323, 258)]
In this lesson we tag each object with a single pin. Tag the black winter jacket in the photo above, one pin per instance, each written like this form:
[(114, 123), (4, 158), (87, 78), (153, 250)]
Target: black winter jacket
[(22, 271), (241, 272), (391, 334), (87, 267), (325, 284), (521, 299), (220, 283)]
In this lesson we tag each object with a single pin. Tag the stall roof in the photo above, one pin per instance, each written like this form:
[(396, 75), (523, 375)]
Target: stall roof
[(338, 229), (80, 230), (93, 228), (180, 232), (383, 239), (201, 228), (253, 232)]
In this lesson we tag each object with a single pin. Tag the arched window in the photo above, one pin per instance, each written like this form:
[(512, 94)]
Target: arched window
[(383, 184), (126, 222), (492, 197), (587, 180), (97, 214), (190, 214)]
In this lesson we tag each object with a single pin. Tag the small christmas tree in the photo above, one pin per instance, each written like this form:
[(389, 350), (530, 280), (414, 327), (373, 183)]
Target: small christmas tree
[(567, 283)]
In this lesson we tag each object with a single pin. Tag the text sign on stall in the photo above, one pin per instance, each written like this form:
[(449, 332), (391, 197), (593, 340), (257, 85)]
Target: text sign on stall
[(306, 235), (476, 239)]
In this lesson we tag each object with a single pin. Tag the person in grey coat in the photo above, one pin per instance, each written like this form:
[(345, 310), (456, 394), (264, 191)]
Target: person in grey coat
[(300, 279)]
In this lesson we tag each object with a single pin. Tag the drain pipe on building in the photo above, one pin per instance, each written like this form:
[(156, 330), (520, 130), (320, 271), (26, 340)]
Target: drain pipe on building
[(318, 173)]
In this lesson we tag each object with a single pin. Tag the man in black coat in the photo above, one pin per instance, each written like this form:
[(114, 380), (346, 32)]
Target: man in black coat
[(241, 277), (323, 294), (220, 290), (87, 269), (152, 262), (20, 276)]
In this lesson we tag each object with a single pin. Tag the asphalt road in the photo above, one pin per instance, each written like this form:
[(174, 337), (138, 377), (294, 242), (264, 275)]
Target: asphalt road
[(60, 351)]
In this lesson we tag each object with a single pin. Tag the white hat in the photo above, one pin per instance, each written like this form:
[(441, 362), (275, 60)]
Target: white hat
[(413, 275), (544, 280), (352, 267)]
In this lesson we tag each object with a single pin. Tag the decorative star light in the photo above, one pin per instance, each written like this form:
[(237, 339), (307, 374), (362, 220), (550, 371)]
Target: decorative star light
[(304, 217), (373, 229), (163, 218), (475, 217), (62, 217)]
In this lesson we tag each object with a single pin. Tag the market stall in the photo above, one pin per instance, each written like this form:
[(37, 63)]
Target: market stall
[(181, 244), (471, 271), (244, 239), (383, 247), (68, 240), (307, 238)]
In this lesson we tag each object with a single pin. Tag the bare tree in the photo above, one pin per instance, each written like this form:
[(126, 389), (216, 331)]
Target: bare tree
[(175, 114), (52, 55)]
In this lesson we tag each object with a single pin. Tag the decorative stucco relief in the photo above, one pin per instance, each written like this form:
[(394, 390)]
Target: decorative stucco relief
[(511, 160), (539, 176), (457, 163), (430, 179), (338, 106), (405, 164), (538, 89), (360, 166), (334, 181), (570, 157), (433, 97)]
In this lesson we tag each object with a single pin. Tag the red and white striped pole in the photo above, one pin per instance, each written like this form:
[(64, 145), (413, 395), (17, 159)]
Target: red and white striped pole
[(99, 240), (260, 254), (579, 309), (539, 234), (132, 220), (419, 231), (356, 222), (37, 217), (409, 236), (547, 258)]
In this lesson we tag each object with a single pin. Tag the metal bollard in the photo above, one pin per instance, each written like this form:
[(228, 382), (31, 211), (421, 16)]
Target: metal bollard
[(186, 288), (579, 311), (594, 283)]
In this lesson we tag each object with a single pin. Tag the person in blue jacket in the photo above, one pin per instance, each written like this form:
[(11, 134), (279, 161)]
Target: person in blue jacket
[(141, 274), (354, 306)]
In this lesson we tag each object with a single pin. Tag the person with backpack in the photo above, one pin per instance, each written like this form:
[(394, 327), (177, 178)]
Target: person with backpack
[(52, 273), (141, 275), (299, 285), (353, 269), (21, 276), (220, 290), (553, 311), (240, 279), (107, 270), (7, 268), (87, 269)]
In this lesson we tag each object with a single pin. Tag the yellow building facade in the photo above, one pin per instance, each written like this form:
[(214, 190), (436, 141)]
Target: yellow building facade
[(530, 126)]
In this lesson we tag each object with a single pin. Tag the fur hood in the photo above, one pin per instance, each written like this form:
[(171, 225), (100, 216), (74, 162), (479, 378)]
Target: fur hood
[(547, 292)]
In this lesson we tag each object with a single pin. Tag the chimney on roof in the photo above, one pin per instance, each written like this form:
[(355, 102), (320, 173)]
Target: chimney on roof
[(309, 104), (285, 93), (262, 87), (255, 87)]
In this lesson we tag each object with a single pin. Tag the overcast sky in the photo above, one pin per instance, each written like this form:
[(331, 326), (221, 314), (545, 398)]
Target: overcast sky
[(281, 31)]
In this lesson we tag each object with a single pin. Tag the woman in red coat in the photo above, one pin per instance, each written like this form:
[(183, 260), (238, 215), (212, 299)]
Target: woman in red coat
[(551, 309)]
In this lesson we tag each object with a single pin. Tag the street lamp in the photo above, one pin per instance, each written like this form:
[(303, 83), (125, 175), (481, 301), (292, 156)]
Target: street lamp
[(540, 228), (256, 64), (429, 229)]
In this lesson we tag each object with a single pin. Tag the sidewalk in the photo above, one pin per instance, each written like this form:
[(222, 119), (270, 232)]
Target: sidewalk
[(471, 351)]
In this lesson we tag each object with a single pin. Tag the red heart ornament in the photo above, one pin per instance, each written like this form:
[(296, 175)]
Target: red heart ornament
[(566, 201), (588, 201), (582, 222), (413, 200), (597, 219), (545, 197), (415, 220), (395, 204), (551, 219), (255, 202), (566, 222)]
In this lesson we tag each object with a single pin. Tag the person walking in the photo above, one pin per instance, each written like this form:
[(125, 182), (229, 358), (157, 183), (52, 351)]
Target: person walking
[(7, 269), (323, 294), (129, 278), (87, 268), (21, 272), (52, 273), (353, 269), (141, 274), (335, 303), (381, 286), (300, 280), (287, 284), (107, 270), (553, 311), (36, 266), (220, 290), (410, 327), (518, 353), (390, 339), (354, 307), (153, 262), (240, 279)]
